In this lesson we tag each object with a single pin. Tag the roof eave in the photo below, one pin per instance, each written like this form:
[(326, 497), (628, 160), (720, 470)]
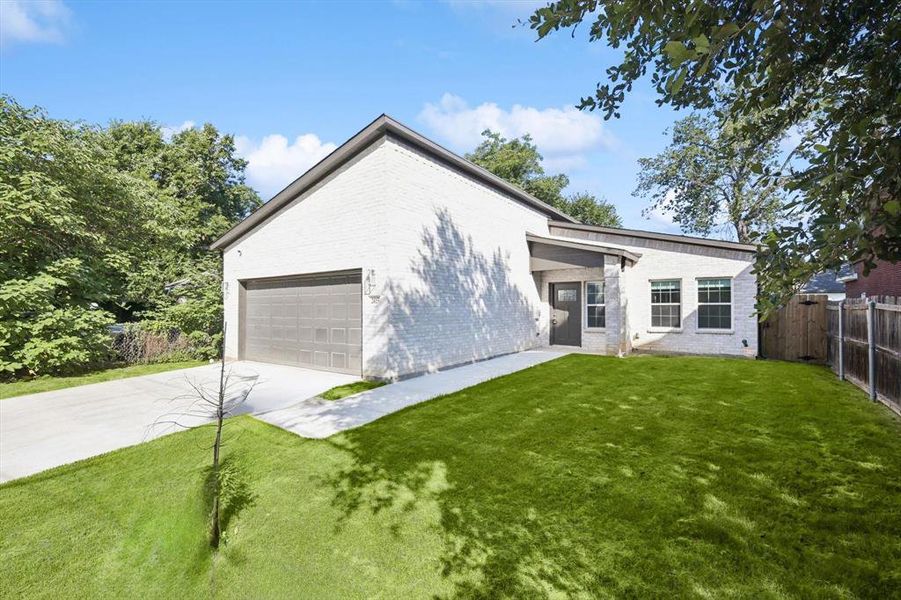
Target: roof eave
[(667, 237), (600, 249), (382, 126)]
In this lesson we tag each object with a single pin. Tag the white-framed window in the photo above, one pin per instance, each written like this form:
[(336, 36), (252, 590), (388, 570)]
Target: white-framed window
[(666, 304), (594, 304), (715, 303)]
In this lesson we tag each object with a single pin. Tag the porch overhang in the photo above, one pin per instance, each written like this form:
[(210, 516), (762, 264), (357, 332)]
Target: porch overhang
[(554, 252)]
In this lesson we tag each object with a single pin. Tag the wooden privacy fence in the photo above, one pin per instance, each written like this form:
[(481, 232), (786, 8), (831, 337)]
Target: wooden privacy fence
[(797, 331), (864, 346)]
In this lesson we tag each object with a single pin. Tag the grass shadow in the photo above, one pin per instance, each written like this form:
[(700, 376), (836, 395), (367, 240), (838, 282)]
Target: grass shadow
[(235, 495)]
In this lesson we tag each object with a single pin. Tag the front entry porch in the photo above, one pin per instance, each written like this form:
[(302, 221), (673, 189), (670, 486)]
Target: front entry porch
[(582, 294)]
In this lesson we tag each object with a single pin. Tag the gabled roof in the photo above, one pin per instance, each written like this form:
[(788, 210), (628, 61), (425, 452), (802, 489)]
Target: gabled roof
[(829, 282), (652, 235), (381, 127)]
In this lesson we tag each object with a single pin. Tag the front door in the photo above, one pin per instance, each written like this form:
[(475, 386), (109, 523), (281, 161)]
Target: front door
[(566, 314)]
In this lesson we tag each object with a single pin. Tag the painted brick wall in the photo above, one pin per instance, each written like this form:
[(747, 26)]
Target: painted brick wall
[(452, 280), (671, 260), (449, 254), (334, 226), (884, 280), (459, 286)]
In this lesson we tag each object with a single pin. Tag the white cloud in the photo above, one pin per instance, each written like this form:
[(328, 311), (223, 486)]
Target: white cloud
[(170, 130), (562, 135), (33, 21), (564, 164), (273, 163)]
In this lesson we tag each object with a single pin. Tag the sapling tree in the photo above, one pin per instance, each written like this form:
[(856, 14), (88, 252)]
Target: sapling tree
[(216, 401)]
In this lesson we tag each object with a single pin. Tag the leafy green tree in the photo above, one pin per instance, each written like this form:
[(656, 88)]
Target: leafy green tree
[(95, 222), (70, 230), (832, 68), (519, 162), (198, 193), (705, 180), (588, 209)]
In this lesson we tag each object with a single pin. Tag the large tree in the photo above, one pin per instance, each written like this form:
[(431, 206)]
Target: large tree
[(197, 190), (830, 67), (519, 162), (70, 232), (94, 222), (705, 179)]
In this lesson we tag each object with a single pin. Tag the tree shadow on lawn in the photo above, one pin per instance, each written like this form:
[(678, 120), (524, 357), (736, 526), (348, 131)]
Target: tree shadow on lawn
[(614, 493), (480, 559)]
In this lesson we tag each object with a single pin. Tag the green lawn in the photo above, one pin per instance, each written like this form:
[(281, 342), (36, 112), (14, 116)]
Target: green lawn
[(583, 477), (348, 389), (48, 384)]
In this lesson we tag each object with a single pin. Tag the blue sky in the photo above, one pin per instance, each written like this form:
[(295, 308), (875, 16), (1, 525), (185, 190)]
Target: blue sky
[(292, 80)]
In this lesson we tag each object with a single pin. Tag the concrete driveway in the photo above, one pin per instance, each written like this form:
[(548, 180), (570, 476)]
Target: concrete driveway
[(40, 431)]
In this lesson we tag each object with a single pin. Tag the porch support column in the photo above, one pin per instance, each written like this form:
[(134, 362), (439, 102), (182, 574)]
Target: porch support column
[(615, 311)]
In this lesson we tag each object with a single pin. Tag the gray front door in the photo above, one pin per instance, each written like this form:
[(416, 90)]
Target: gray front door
[(566, 314), (306, 321)]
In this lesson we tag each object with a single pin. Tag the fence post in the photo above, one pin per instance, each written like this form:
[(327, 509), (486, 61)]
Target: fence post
[(871, 347), (841, 340)]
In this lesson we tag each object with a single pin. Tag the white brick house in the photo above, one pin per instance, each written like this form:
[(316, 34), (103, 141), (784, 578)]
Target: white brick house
[(393, 256)]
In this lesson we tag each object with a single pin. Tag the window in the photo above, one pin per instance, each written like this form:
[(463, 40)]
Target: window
[(714, 304), (566, 295), (594, 295), (666, 303)]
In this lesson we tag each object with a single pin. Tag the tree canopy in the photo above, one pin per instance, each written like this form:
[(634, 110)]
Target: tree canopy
[(94, 222), (519, 162), (706, 180), (830, 68)]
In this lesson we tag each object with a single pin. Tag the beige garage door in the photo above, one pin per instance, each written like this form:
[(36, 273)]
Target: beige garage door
[(305, 321)]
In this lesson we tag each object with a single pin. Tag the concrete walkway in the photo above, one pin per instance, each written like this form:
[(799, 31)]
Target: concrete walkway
[(45, 430), (317, 418)]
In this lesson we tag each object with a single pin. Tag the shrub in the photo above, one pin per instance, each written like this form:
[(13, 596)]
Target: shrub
[(43, 331)]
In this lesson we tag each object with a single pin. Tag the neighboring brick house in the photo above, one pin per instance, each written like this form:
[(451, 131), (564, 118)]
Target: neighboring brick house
[(394, 256), (884, 280)]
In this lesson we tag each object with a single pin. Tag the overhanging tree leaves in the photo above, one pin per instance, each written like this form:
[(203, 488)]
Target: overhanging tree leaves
[(519, 162), (833, 67)]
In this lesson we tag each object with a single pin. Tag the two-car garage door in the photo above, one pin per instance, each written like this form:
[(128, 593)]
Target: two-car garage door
[(308, 321)]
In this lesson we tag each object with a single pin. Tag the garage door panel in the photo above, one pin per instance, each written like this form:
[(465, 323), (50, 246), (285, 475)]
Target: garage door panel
[(307, 321)]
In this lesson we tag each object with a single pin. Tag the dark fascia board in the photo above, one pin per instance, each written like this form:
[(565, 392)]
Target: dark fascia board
[(590, 247), (651, 235), (381, 127)]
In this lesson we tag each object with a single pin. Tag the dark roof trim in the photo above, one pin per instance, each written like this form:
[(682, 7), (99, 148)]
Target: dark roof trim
[(651, 235), (587, 245), (381, 127)]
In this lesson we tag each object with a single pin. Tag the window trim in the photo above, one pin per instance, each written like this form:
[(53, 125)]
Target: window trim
[(585, 309), (656, 329), (731, 304)]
